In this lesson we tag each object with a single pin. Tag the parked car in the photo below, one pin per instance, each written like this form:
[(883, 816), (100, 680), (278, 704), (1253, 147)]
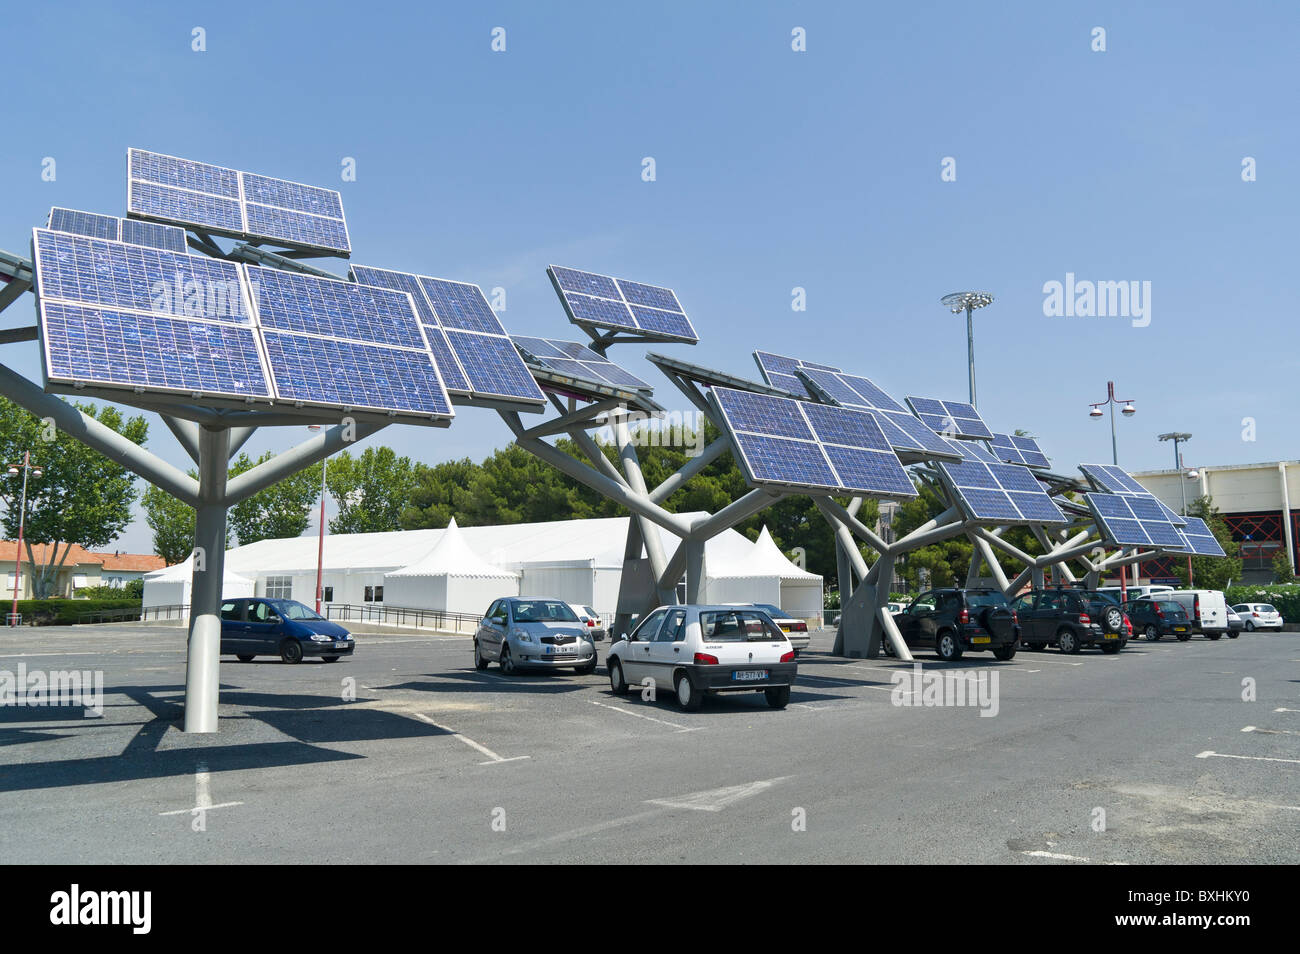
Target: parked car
[(957, 621), (1135, 592), (524, 632), (1259, 616), (1207, 610), (1154, 618), (1235, 623), (285, 628), (590, 619), (704, 650), (795, 629), (1070, 619)]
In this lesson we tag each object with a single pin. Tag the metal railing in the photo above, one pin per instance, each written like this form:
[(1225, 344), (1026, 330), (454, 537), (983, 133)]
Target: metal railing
[(409, 616), (172, 611)]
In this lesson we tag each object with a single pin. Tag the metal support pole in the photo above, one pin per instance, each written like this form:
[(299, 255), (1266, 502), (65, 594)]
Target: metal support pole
[(970, 351), (202, 673), (694, 570)]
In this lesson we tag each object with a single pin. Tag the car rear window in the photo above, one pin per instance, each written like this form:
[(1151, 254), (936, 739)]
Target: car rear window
[(986, 599), (1169, 606), (1266, 608), (737, 626)]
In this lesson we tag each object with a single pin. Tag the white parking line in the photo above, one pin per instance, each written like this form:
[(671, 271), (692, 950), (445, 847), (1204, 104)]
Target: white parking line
[(1250, 758), (1253, 728), (1286, 710), (673, 725), (202, 794), (1056, 856), (492, 756)]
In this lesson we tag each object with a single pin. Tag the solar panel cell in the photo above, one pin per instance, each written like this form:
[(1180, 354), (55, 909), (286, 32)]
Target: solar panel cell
[(288, 301), (461, 305)]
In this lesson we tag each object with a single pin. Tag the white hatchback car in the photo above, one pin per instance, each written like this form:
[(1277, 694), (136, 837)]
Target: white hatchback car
[(1259, 616), (703, 650)]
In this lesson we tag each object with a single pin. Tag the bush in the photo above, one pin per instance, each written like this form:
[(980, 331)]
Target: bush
[(134, 590), (1286, 598), (67, 612)]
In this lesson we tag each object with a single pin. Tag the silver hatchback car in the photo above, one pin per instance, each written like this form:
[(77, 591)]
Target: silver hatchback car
[(522, 632)]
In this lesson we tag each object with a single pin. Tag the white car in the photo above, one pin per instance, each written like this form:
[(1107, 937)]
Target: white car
[(590, 619), (703, 650), (1259, 616)]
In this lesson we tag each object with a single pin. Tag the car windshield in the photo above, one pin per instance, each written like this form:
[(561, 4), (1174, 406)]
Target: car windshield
[(544, 611), (291, 609), (737, 626), (991, 598)]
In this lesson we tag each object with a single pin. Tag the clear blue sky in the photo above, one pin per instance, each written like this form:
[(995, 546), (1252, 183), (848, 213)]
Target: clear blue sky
[(775, 169)]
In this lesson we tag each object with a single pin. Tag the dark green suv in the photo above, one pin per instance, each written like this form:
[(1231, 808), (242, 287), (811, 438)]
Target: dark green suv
[(1070, 619), (956, 621)]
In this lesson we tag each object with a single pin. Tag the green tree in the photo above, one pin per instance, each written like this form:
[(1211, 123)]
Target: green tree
[(281, 510), (1211, 573), (371, 491), (946, 562), (1282, 572), (172, 523), (80, 498)]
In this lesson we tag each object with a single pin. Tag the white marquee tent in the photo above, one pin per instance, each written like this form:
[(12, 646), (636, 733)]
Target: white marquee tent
[(170, 586), (450, 577), (761, 573)]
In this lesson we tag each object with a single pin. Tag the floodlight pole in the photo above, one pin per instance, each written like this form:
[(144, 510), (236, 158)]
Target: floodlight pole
[(968, 301)]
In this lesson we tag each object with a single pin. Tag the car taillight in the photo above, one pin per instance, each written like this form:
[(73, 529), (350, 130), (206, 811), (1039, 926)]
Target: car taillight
[(591, 622), (1160, 612), (963, 616), (1254, 614), (1015, 617), (1084, 619), (704, 659), (801, 627), (1196, 608), (785, 657)]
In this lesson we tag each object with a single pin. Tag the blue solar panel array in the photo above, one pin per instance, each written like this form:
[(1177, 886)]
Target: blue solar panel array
[(904, 431), (1201, 539), (950, 418), (1114, 480), (236, 204), (146, 320), (1134, 521), (794, 444), (998, 493), (644, 311), (92, 225), (476, 355), (577, 360), (1014, 449), (783, 372)]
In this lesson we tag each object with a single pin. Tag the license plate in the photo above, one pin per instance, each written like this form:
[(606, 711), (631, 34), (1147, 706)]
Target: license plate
[(1180, 629), (981, 639), (1112, 635), (341, 645), (749, 675)]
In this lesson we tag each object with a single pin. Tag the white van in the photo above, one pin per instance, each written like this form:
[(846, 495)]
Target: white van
[(1137, 592), (1206, 609)]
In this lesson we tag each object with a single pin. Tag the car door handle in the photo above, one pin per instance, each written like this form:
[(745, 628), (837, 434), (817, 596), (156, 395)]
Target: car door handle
[(677, 649)]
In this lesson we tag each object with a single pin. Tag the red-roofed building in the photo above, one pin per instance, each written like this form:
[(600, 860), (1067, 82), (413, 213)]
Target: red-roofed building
[(81, 568)]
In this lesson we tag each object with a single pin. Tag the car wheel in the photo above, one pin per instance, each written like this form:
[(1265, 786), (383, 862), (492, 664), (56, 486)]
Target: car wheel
[(1213, 637), (1005, 652), (1067, 642), (1110, 649), (688, 697), (1250, 627), (587, 668), (507, 661), (1184, 637), (616, 681), (330, 658), (1152, 634), (245, 658), (778, 697), (948, 647), (291, 651), (1233, 635), (480, 661)]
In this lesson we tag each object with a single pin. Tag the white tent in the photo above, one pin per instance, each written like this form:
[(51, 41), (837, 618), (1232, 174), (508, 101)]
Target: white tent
[(170, 586), (450, 577), (761, 574)]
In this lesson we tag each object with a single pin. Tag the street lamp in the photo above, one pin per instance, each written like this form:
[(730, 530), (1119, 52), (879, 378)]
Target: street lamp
[(27, 468), (320, 546), (1128, 410), (968, 302)]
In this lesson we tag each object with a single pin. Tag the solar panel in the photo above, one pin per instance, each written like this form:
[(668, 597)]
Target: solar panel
[(235, 204), (710, 377), (782, 372), (999, 493), (1112, 479), (646, 311), (950, 418), (904, 431), (1201, 539), (1014, 449), (1132, 521), (121, 316), (92, 225), (108, 318), (577, 360), (474, 353), (794, 444)]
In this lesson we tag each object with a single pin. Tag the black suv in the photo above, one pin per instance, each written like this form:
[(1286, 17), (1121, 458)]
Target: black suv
[(1156, 618), (956, 621), (1071, 619)]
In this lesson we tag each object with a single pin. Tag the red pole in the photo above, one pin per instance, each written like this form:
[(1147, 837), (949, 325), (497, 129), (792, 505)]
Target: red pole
[(18, 556), (1123, 584)]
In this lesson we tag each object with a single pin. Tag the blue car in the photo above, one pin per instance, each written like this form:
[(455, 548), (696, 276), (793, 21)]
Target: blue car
[(285, 628)]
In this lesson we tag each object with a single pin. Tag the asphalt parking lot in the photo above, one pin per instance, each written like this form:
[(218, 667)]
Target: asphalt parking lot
[(406, 753)]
